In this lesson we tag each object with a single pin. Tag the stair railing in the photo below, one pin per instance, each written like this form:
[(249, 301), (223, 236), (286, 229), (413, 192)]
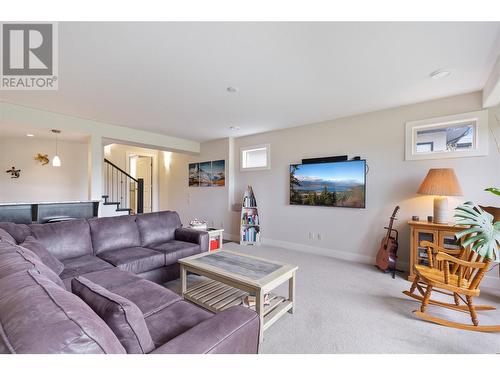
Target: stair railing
[(120, 187)]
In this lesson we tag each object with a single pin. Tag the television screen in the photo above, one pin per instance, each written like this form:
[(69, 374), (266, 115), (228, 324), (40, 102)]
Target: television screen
[(337, 184)]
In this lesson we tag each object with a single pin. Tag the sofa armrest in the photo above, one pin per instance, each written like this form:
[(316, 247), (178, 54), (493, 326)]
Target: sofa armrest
[(232, 331), (194, 236)]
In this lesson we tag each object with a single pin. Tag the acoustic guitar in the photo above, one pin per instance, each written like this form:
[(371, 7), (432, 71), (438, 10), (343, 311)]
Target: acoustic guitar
[(387, 253)]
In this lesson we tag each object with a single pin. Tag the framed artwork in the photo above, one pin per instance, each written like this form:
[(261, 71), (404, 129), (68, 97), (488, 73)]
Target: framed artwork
[(194, 174), (207, 173), (219, 173)]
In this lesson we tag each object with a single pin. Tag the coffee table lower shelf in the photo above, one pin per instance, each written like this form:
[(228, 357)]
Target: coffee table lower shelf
[(216, 296)]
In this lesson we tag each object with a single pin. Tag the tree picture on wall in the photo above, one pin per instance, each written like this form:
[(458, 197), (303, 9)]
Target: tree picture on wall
[(333, 184), (207, 174)]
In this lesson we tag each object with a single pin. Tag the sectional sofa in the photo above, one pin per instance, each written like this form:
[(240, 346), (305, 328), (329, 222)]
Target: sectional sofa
[(92, 286)]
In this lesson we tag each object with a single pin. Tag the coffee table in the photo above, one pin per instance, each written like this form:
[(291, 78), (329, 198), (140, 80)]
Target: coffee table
[(232, 276)]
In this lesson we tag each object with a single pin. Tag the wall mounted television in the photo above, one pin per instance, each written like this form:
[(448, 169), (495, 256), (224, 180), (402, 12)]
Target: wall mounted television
[(334, 184)]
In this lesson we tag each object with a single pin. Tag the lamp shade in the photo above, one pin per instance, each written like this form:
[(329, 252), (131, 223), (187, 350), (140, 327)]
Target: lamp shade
[(56, 162), (440, 181)]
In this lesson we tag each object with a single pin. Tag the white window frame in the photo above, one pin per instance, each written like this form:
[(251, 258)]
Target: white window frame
[(267, 146), (481, 136)]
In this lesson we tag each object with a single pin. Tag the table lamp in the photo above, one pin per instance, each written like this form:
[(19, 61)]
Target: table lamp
[(441, 182)]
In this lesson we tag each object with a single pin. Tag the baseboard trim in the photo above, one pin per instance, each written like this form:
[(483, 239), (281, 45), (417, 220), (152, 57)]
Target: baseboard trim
[(231, 237)]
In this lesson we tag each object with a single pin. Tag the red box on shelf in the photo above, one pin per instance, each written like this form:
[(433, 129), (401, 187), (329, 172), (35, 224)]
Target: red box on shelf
[(214, 244)]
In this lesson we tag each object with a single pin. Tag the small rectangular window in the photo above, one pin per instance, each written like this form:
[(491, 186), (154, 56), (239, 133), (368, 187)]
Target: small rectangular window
[(255, 157), (461, 135)]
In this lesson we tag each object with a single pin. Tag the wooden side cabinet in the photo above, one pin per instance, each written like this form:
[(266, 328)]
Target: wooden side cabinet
[(442, 234)]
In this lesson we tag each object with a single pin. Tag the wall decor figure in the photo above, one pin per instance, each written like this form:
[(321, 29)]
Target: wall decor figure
[(42, 158), (14, 173)]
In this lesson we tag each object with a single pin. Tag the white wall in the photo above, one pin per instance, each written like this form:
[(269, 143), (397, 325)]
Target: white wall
[(378, 137), (209, 203), (348, 233), (42, 183), (12, 115)]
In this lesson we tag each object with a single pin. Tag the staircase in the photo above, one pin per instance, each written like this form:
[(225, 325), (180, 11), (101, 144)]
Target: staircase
[(122, 190)]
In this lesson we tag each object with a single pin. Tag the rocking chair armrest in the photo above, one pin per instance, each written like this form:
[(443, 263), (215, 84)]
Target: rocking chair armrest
[(443, 256)]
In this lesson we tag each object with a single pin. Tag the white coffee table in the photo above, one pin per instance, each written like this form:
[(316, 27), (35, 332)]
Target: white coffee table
[(232, 276)]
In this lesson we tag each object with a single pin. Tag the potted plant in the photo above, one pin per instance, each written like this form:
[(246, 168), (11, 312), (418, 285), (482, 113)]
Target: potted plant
[(483, 232)]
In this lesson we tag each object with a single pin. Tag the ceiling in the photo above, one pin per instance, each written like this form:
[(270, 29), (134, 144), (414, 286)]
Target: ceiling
[(21, 131), (171, 78)]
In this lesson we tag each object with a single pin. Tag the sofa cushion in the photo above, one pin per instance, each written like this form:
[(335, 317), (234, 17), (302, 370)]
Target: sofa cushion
[(41, 251), (121, 315), (14, 258), (174, 320), (112, 278), (134, 259), (4, 235), (234, 330), (148, 296), (66, 239), (175, 250), (18, 231), (81, 265), (158, 227), (38, 316), (110, 233)]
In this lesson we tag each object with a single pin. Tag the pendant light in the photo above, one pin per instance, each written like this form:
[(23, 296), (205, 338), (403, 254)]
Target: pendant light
[(56, 161)]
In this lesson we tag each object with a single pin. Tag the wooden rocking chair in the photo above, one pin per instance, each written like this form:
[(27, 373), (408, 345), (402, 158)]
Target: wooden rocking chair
[(454, 276)]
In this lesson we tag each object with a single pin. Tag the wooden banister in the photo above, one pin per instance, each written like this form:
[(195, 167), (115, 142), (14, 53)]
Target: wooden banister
[(121, 170), (118, 187)]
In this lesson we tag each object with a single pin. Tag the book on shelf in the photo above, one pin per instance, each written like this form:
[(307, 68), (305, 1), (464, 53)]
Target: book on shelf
[(249, 201), (249, 219), (250, 234)]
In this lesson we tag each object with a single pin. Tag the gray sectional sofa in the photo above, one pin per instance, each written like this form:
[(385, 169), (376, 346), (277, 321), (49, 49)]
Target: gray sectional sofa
[(92, 286)]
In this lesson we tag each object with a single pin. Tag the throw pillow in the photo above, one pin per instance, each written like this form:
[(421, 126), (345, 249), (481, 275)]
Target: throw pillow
[(121, 315), (47, 258)]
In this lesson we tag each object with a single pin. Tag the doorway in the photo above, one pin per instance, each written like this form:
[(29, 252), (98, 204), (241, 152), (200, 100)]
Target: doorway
[(141, 166)]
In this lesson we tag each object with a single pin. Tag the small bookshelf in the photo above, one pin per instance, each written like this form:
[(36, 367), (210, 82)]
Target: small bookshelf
[(250, 220)]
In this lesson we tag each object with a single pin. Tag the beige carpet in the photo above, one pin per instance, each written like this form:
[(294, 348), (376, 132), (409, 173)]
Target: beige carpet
[(346, 307)]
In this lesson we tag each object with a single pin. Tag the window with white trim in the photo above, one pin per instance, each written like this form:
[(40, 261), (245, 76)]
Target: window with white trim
[(255, 157), (460, 135)]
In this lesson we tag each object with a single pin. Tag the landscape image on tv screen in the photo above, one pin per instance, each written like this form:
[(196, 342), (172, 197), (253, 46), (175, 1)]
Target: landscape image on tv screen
[(339, 184)]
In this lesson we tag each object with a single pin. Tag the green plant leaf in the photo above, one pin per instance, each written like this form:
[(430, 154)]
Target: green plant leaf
[(465, 232), (493, 190), (482, 233)]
